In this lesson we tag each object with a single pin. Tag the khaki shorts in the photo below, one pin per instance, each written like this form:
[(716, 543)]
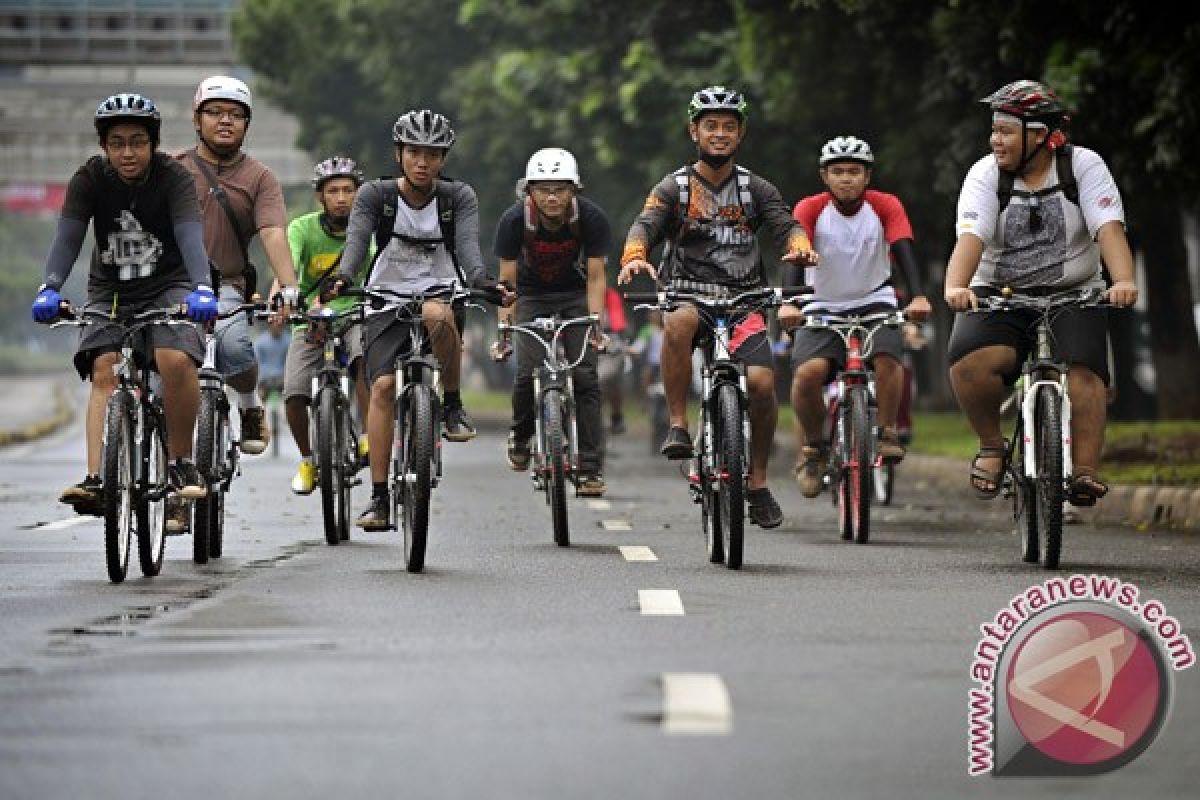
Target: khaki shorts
[(304, 358)]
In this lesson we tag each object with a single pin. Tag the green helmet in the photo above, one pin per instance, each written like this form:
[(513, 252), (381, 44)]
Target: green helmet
[(717, 98)]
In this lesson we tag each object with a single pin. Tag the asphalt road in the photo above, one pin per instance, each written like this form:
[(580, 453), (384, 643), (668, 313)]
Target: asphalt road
[(512, 668)]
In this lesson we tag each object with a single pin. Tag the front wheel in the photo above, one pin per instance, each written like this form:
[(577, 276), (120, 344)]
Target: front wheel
[(731, 472), (855, 474), (207, 511), (415, 478), (1049, 482), (555, 464), (710, 506), (330, 447), (118, 477), (151, 514)]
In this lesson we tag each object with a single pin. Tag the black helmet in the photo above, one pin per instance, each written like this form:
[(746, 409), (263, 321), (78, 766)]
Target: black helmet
[(128, 107), (1030, 101)]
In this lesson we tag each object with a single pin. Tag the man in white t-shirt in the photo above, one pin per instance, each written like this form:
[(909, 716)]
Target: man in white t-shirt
[(859, 234), (1026, 224)]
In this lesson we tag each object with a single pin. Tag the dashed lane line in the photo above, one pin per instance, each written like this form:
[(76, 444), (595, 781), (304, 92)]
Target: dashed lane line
[(616, 525), (599, 505), (637, 552), (660, 603), (696, 703)]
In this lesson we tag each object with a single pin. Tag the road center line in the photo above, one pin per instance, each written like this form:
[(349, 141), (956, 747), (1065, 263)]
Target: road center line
[(637, 552), (660, 603), (70, 522), (616, 525), (695, 703)]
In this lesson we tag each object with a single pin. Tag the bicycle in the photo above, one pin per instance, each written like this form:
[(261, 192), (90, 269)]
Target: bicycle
[(134, 460), (331, 425), (555, 457), (416, 468), (217, 453), (717, 475), (853, 460), (1040, 470)]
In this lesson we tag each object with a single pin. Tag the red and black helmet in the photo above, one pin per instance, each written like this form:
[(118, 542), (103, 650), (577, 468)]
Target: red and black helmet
[(1029, 100)]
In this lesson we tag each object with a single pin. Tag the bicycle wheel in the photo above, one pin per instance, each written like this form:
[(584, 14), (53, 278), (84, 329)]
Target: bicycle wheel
[(329, 427), (207, 459), (349, 467), (1049, 483), (731, 472), (151, 514), (860, 467), (415, 484), (223, 447), (118, 477), (556, 459), (710, 507)]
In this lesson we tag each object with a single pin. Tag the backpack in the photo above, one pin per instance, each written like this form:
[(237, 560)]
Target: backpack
[(679, 212), (574, 224), (1066, 182), (386, 228)]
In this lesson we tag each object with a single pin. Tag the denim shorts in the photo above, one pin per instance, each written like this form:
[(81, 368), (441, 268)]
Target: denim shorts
[(235, 346)]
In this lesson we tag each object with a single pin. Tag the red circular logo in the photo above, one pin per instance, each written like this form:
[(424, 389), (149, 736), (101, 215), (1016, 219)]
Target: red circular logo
[(1084, 688)]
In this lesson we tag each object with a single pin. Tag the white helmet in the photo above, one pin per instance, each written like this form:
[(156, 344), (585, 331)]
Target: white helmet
[(222, 87), (847, 148), (553, 164)]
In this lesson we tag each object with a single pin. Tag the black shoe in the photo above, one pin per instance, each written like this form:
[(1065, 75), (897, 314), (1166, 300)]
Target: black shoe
[(678, 444), (458, 426), (617, 427), (186, 481), (764, 511), (378, 516), (178, 516), (85, 496), (518, 451), (255, 434)]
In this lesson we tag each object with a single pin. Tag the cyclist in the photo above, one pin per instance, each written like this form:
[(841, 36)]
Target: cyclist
[(149, 253), (854, 229), (316, 241), (553, 245), (1061, 216), (270, 351), (409, 217), (239, 197), (714, 249)]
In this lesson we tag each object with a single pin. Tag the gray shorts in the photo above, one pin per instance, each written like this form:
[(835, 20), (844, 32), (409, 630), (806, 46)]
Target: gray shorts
[(97, 339), (304, 357), (811, 343), (235, 347)]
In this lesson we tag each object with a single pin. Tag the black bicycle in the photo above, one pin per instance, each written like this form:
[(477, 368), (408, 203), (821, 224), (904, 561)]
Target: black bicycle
[(555, 457), (134, 460), (718, 475)]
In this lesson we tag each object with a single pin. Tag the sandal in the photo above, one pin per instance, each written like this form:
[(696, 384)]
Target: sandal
[(979, 476), (1085, 488)]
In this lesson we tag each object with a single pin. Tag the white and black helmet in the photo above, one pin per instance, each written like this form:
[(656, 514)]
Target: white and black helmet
[(847, 148), (128, 107), (717, 98), (553, 164), (423, 128), (336, 167), (223, 87)]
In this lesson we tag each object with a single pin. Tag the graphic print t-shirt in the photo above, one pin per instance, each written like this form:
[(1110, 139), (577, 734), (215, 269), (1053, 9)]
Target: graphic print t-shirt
[(135, 253), (556, 261), (314, 252)]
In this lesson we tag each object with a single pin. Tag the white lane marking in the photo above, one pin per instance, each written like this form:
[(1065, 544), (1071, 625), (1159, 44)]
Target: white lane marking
[(696, 703), (599, 505), (637, 552), (660, 603), (616, 525), (70, 522)]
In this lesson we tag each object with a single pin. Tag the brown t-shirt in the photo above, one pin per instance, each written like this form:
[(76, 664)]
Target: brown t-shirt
[(256, 200)]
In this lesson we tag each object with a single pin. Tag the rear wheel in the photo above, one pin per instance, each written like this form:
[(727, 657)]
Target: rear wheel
[(555, 466), (118, 478), (1049, 482), (151, 514), (415, 483), (731, 472), (860, 467), (330, 448)]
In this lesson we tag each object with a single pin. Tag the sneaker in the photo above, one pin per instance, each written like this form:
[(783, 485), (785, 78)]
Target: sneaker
[(591, 484), (810, 473), (305, 479), (177, 516), (185, 480), (764, 511), (255, 435), (518, 452), (378, 516), (890, 448), (85, 496), (678, 444), (617, 427), (458, 426)]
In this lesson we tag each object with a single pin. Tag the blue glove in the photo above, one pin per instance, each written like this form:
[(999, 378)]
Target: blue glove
[(201, 305), (46, 305)]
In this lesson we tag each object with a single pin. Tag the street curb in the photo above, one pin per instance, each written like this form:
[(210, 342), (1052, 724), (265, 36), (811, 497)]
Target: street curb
[(63, 414)]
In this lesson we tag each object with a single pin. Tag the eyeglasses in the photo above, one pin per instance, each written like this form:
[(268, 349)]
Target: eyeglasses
[(548, 190), (136, 143), (237, 115)]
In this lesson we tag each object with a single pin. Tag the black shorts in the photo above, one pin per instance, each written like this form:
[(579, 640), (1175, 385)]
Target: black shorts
[(748, 342), (1080, 336), (98, 339), (385, 339), (810, 343)]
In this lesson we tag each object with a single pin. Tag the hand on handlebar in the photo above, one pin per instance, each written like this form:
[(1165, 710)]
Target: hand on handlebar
[(502, 348), (918, 310), (201, 305), (1122, 293), (636, 267), (47, 305), (961, 299), (507, 294), (803, 258)]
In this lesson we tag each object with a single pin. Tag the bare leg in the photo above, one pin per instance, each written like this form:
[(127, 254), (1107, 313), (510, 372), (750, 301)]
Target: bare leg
[(1088, 412), (978, 384), (296, 409), (244, 381), (680, 329), (181, 399), (103, 383), (447, 344), (889, 386), (380, 423), (764, 412), (808, 400)]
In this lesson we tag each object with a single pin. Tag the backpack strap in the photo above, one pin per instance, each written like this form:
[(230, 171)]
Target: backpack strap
[(744, 195), (1066, 181), (385, 231)]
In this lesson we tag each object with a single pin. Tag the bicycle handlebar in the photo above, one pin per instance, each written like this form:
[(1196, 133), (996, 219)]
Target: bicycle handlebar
[(383, 298), (556, 328), (765, 296), (1084, 298)]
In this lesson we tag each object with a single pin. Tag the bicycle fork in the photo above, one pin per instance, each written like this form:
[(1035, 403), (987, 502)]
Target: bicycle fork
[(1029, 423)]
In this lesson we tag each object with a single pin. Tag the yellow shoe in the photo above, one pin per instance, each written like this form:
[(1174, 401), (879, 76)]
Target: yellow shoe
[(305, 479)]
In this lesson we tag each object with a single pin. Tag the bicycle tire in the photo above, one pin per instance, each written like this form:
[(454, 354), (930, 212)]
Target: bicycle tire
[(349, 467), (710, 506), (556, 473), (152, 515), (731, 473), (329, 456), (204, 510), (861, 463), (223, 447), (118, 479), (840, 458), (417, 463), (1049, 484)]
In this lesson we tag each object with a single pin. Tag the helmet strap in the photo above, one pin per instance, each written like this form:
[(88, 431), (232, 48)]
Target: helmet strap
[(1028, 156)]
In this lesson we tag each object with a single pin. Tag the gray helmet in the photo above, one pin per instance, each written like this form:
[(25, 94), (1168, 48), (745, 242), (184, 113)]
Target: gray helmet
[(128, 107), (423, 128), (847, 148), (717, 98), (336, 167)]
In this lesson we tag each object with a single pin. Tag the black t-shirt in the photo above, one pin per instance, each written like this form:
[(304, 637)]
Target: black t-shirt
[(135, 254), (557, 261)]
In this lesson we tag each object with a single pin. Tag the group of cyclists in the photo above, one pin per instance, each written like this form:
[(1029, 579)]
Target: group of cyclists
[(1038, 216)]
